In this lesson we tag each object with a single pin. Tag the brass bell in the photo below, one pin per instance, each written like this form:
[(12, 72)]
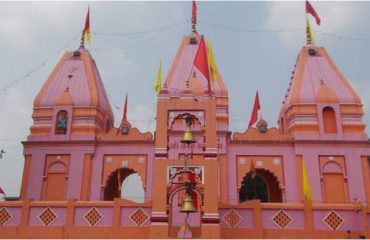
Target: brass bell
[(187, 205), (188, 136)]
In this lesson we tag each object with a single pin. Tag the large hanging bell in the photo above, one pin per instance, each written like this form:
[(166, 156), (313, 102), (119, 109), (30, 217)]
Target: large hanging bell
[(188, 136), (187, 205)]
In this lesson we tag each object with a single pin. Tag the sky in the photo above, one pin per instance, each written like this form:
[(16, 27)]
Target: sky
[(255, 45)]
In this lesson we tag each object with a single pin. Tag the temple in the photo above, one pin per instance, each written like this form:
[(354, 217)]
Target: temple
[(198, 179)]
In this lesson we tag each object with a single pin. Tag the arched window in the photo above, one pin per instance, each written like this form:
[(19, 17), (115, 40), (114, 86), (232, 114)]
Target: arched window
[(263, 186), (253, 188), (124, 183), (62, 123), (132, 188), (329, 120)]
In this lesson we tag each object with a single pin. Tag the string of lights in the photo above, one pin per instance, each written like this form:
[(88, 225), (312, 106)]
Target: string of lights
[(164, 28)]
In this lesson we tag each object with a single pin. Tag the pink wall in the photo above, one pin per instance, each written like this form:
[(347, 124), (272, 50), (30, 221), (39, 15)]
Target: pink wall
[(60, 212), (16, 213), (297, 217), (246, 215), (126, 212), (352, 220), (106, 213)]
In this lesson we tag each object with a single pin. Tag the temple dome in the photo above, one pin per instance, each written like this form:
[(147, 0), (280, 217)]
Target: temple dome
[(77, 72)]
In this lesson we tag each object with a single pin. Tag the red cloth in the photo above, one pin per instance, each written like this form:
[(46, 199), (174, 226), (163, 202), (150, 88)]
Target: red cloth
[(87, 21), (194, 11), (256, 108), (191, 177), (201, 62), (312, 11), (2, 191)]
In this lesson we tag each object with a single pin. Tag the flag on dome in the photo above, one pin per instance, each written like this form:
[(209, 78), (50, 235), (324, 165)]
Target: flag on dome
[(256, 108), (212, 63), (158, 81), (201, 62), (87, 26), (194, 11), (312, 11)]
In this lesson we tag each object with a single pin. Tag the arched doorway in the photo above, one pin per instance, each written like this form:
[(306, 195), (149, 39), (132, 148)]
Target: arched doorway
[(56, 182), (115, 183), (263, 186)]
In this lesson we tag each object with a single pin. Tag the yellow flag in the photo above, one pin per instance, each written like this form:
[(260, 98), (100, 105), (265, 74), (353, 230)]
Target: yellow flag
[(309, 34), (306, 184), (212, 62), (157, 85)]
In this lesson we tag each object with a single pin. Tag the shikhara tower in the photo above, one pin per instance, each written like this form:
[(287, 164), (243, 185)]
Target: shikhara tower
[(248, 185)]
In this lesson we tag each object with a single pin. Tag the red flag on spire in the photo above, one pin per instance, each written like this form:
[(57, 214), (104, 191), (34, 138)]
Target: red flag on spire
[(87, 26), (2, 191), (201, 62), (194, 11), (312, 11), (124, 122), (256, 108), (125, 109)]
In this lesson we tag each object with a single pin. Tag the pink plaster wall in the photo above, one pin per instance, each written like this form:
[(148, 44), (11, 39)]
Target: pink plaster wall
[(246, 215), (289, 163), (96, 190), (126, 212), (352, 220), (297, 217), (34, 220), (16, 214), (106, 212)]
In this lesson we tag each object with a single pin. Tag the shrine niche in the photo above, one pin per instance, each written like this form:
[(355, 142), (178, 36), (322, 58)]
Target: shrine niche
[(62, 122)]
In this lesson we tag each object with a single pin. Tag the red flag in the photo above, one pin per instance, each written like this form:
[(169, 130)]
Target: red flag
[(125, 109), (312, 11), (256, 108), (2, 191), (201, 62), (194, 12), (87, 21)]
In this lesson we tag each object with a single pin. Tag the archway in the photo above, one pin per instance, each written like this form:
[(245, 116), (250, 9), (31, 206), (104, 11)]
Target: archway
[(263, 186), (113, 185)]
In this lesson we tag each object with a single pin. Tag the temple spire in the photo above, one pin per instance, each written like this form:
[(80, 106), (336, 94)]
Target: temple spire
[(194, 17)]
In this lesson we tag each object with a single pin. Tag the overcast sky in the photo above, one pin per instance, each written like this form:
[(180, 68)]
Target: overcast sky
[(255, 44)]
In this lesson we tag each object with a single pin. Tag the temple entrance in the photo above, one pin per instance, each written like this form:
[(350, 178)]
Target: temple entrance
[(123, 183), (263, 186)]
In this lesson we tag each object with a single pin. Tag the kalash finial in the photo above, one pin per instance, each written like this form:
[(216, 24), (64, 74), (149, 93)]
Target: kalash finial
[(194, 17)]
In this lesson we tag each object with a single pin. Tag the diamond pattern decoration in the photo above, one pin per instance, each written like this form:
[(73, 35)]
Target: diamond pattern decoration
[(282, 219), (139, 217), (5, 216), (93, 216), (232, 218), (333, 220), (47, 216)]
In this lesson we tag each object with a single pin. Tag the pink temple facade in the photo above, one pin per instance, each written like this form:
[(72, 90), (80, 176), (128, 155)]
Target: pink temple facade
[(76, 161)]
